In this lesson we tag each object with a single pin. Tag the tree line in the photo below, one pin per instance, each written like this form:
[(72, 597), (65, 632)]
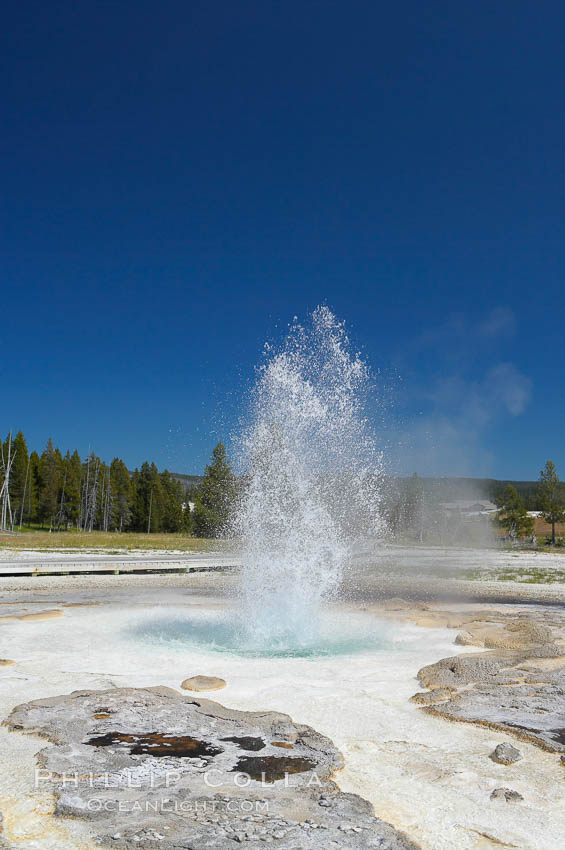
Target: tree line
[(63, 491), (550, 502), (59, 492), (416, 508)]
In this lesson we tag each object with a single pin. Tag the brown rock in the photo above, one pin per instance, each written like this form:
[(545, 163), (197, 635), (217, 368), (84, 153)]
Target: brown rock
[(464, 639), (203, 683)]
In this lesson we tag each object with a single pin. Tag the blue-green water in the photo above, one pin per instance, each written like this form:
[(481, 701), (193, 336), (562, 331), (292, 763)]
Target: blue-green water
[(334, 634)]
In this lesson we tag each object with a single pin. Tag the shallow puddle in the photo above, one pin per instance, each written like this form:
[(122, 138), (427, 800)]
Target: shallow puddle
[(158, 744), (272, 768), (247, 742)]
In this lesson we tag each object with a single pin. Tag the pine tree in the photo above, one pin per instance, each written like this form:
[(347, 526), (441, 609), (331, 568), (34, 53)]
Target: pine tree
[(32, 495), (149, 499), (103, 498), (50, 483), (216, 496), (512, 514), (551, 497), (122, 491), (137, 511), (72, 471), (172, 517), (156, 500)]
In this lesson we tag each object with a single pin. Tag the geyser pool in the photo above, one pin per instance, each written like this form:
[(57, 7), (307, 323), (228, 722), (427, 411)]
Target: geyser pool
[(336, 633), (313, 486)]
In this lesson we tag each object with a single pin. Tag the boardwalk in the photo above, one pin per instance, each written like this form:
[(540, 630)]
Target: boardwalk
[(61, 564)]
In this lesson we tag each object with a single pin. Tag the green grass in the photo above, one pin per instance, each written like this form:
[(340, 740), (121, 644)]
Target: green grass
[(113, 543)]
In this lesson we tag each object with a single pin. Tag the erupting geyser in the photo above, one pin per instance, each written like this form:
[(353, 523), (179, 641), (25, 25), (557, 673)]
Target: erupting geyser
[(313, 482)]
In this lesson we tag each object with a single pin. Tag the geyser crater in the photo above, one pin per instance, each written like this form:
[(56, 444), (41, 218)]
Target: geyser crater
[(336, 632)]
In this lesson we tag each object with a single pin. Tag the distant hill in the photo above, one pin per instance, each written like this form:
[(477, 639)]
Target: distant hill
[(443, 489), (453, 489), (188, 481)]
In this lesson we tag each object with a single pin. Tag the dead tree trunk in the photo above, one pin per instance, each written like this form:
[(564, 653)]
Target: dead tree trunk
[(24, 495), (62, 504), (5, 506)]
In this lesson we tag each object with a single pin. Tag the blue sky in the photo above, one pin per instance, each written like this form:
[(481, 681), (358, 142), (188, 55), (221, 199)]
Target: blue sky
[(181, 179)]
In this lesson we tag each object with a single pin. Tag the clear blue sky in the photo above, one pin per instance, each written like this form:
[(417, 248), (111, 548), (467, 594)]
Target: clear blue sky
[(181, 178)]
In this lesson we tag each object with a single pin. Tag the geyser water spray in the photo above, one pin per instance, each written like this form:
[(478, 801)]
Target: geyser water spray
[(312, 482)]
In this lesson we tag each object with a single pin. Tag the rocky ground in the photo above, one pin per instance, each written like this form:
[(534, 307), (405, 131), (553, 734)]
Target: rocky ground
[(509, 679), (517, 685), (153, 769)]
